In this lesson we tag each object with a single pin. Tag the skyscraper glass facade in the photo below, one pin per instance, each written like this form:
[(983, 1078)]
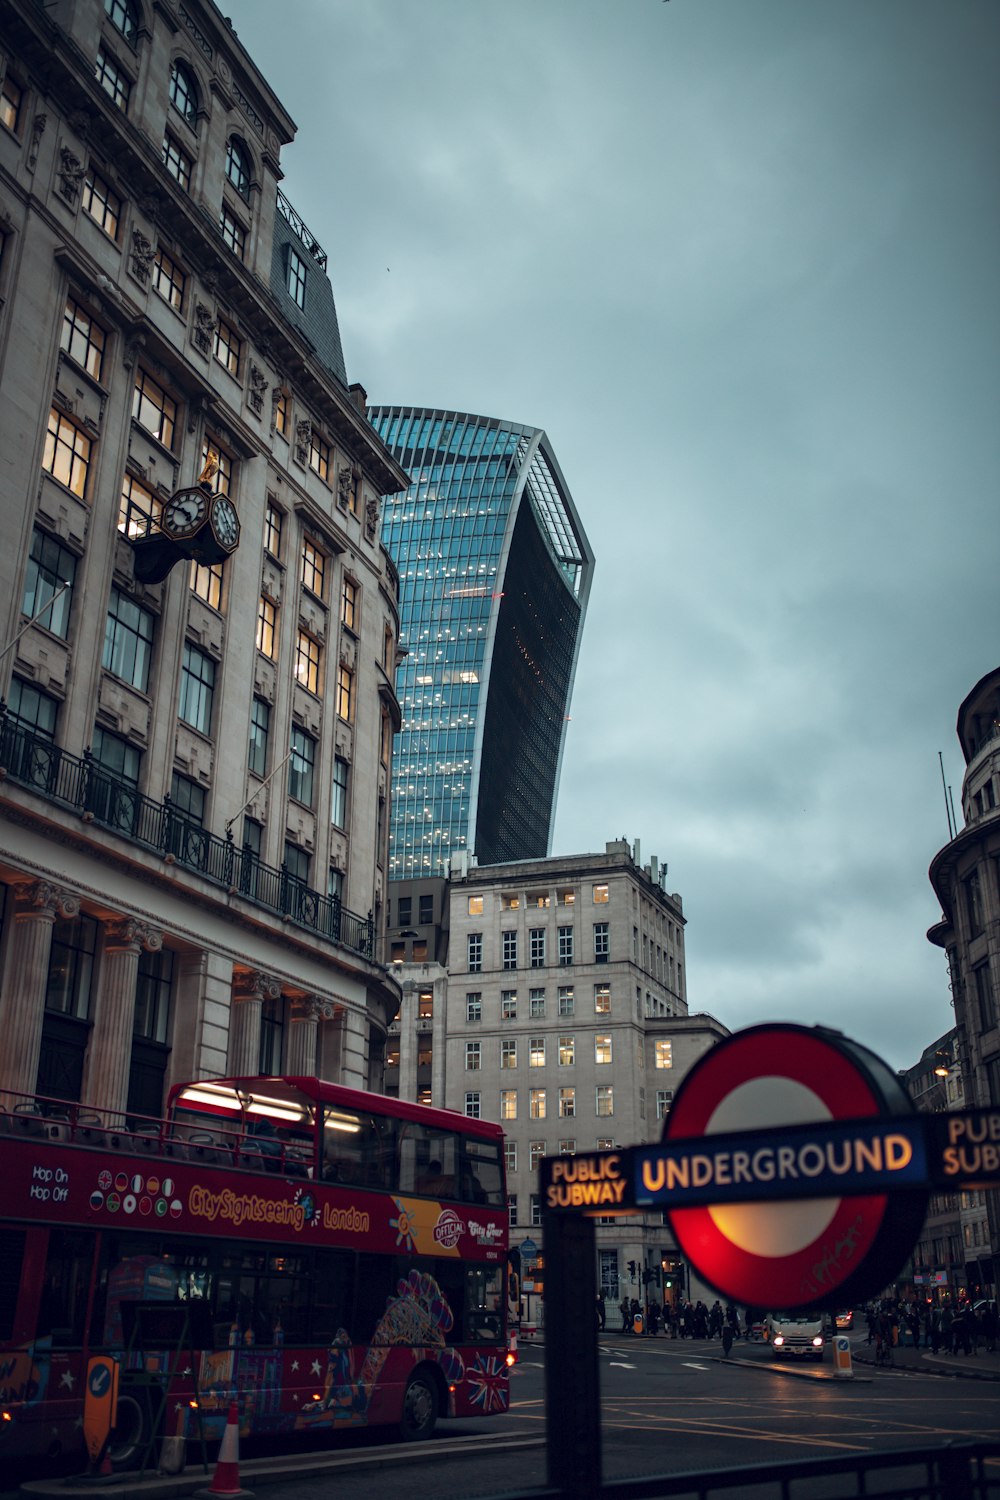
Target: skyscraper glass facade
[(495, 570)]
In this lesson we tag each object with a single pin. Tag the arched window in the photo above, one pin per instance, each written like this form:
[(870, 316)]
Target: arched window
[(238, 166), (124, 17), (184, 92)]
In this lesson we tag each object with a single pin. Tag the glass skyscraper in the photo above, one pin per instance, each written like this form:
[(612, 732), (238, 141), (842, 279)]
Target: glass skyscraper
[(495, 569)]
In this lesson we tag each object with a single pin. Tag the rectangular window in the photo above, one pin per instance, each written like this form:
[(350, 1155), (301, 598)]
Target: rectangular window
[(509, 942), (139, 506), (307, 661), (536, 1005), (536, 1104), (169, 280), (535, 1204), (508, 1052), (511, 1206), (567, 1147), (267, 625), (297, 274), (313, 568), (128, 640), (301, 766), (508, 1104), (319, 457), (113, 81), (197, 690), (664, 1099), (475, 952), (510, 1156), (338, 798), (473, 1056), (102, 203), (565, 946), (538, 898), (475, 906), (50, 566), (602, 943), (228, 347), (474, 1007), (985, 1000), (206, 582), (281, 412), (536, 1052), (233, 232), (510, 903), (566, 897), (567, 1004), (663, 1052), (600, 894), (536, 1150), (33, 709), (154, 409), (536, 946), (567, 1103), (11, 100), (188, 798), (605, 1099), (472, 1106), (567, 1051), (274, 520), (345, 693), (426, 908), (260, 732), (83, 339), (602, 1048), (508, 1005), (177, 162), (348, 603), (602, 999), (67, 453)]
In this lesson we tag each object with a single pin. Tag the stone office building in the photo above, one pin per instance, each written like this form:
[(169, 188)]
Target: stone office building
[(198, 618)]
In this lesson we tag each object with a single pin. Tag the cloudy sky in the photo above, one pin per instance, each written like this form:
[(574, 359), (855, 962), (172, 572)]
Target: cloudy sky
[(741, 260)]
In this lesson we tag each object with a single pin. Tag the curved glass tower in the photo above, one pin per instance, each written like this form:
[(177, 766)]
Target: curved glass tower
[(495, 569)]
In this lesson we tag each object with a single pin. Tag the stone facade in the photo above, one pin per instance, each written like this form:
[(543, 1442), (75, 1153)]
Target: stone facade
[(196, 766)]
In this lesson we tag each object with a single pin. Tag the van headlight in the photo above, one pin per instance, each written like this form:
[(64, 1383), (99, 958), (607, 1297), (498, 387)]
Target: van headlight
[(779, 1339), (817, 1343)]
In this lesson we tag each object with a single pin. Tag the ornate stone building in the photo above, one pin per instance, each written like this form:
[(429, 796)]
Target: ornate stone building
[(198, 620)]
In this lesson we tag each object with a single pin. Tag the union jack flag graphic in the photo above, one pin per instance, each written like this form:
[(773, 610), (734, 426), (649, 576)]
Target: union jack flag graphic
[(488, 1383)]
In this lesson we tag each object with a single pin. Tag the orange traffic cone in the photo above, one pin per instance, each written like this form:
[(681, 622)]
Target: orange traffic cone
[(226, 1479), (512, 1349)]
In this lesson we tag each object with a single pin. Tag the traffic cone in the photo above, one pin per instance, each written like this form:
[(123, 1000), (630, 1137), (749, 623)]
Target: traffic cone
[(226, 1479), (512, 1351)]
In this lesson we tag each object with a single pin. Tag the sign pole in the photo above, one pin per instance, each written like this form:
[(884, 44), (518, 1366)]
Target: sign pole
[(572, 1384)]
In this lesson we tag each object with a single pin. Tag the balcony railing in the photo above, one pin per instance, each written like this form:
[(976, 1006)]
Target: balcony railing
[(85, 786)]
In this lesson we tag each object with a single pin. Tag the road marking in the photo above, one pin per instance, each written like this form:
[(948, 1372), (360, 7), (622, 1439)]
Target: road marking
[(619, 1364), (689, 1366)]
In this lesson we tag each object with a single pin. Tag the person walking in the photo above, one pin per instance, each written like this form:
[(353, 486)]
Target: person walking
[(625, 1310), (601, 1314)]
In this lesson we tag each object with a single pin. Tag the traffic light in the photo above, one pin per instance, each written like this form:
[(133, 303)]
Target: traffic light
[(631, 1270)]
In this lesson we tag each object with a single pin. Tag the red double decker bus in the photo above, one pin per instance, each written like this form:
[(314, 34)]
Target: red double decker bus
[(326, 1258)]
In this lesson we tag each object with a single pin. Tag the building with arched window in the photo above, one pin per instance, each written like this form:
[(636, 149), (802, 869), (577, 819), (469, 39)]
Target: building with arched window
[(495, 570)]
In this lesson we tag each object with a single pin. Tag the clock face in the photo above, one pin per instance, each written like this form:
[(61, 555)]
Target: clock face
[(184, 513), (225, 522)]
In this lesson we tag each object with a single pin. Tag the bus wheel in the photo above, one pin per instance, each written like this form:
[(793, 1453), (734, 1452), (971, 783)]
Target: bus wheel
[(129, 1437), (420, 1409)]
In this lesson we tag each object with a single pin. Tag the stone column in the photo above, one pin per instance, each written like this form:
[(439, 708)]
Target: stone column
[(351, 1029), (250, 989), (409, 1042), (302, 1032), (109, 1058), (36, 908)]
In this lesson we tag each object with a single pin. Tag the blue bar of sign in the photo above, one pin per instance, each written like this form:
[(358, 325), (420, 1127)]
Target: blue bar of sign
[(829, 1159)]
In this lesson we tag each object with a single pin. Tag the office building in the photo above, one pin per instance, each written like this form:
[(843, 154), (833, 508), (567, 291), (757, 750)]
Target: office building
[(495, 571), (197, 615)]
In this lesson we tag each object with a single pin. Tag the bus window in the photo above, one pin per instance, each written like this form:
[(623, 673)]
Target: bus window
[(63, 1303), (483, 1304), (359, 1149), (332, 1296), (428, 1160), (12, 1243), (482, 1175)]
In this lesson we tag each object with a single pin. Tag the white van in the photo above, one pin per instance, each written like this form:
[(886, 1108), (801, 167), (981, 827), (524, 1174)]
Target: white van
[(795, 1335)]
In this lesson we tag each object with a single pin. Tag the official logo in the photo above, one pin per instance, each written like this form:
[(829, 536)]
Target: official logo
[(449, 1229)]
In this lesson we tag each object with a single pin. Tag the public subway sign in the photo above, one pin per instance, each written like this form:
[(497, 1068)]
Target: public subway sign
[(793, 1168)]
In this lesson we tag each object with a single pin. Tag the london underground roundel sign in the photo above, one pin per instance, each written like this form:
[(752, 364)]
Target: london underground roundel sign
[(804, 1251)]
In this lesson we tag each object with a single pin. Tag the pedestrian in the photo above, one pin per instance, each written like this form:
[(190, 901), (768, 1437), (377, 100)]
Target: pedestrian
[(652, 1319), (600, 1310), (727, 1340), (625, 1310)]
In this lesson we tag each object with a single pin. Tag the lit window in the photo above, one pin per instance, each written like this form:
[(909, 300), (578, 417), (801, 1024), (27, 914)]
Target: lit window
[(297, 273), (536, 1150), (113, 81), (567, 1051), (67, 453), (508, 1005), (536, 1104), (319, 457), (602, 999), (233, 232), (567, 1103), (11, 100), (348, 602), (536, 1052), (260, 732), (169, 280), (197, 690), (267, 624), (206, 582), (472, 1056), (538, 898), (184, 92), (605, 1099), (567, 1148), (307, 661), (313, 571), (301, 766), (274, 521), (508, 1052), (177, 162), (102, 203), (228, 346), (238, 166), (664, 1099), (566, 897), (475, 906), (345, 693), (154, 410), (338, 798), (138, 507), (508, 903), (508, 1104), (82, 338), (124, 17), (664, 1054), (600, 894), (602, 1048), (281, 412)]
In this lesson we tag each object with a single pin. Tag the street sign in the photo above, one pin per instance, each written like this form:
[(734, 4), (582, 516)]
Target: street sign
[(100, 1402)]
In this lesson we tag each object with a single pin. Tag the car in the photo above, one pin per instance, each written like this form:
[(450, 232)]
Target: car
[(844, 1319), (795, 1335)]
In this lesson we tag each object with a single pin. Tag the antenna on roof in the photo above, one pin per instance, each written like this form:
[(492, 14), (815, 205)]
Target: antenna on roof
[(949, 809)]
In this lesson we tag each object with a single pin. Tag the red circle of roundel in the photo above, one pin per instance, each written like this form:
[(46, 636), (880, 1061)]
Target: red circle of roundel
[(814, 1272)]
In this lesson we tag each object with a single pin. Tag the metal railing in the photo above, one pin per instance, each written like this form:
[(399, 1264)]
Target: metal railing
[(82, 784)]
